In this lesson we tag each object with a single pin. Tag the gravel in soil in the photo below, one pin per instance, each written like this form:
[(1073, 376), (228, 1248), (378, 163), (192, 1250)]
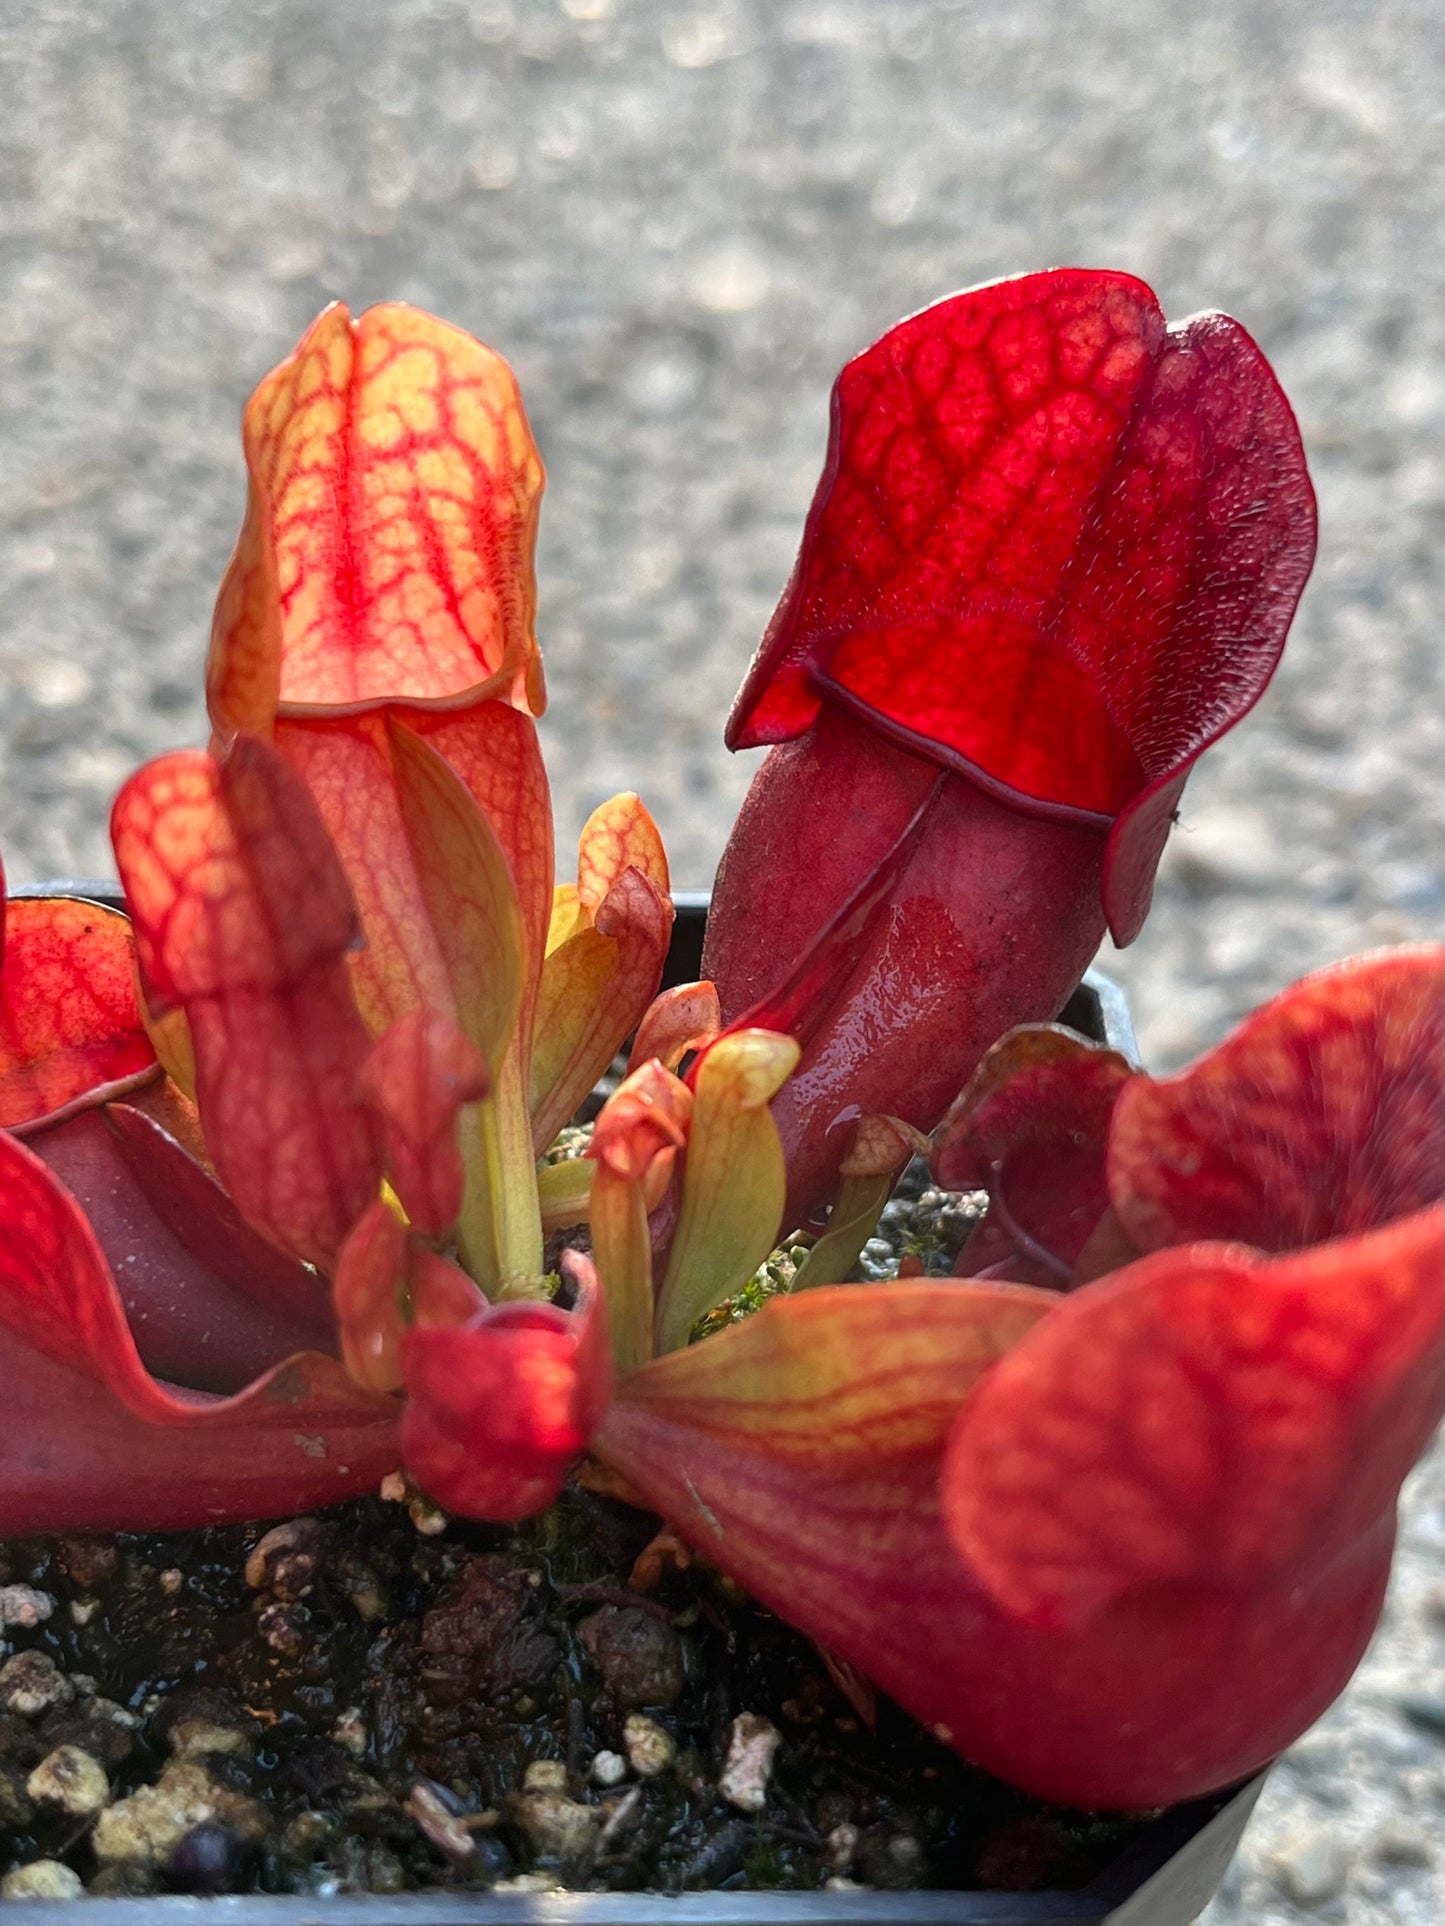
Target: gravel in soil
[(345, 1703)]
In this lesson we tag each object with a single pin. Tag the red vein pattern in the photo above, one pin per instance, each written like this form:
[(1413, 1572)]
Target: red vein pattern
[(1203, 1414), (1054, 542), (680, 1020), (70, 1026), (347, 765), (386, 554), (1320, 1116), (618, 835), (597, 984), (244, 918)]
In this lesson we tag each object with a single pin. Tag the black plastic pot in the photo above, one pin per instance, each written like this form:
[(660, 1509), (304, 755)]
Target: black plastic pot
[(1164, 1878)]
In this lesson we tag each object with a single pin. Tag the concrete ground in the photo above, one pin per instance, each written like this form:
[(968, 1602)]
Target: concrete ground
[(677, 220)]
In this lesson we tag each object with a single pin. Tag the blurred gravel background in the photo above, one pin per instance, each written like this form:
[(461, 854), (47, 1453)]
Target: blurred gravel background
[(677, 222)]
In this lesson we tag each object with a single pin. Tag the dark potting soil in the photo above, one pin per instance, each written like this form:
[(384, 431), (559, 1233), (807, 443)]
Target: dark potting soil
[(345, 1703), (379, 1699)]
